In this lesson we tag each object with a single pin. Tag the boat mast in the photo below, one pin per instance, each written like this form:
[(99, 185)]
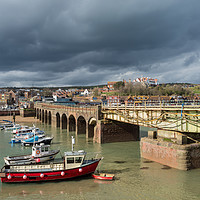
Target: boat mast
[(73, 142), (34, 134)]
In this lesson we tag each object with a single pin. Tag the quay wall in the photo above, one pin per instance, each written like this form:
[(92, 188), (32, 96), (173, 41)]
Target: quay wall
[(27, 113), (183, 157), (115, 131), (7, 113)]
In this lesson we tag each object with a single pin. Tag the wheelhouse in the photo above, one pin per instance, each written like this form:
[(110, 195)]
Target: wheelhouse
[(40, 150), (74, 159)]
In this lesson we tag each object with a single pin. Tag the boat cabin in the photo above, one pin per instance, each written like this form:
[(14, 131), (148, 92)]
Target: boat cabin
[(74, 159), (39, 150)]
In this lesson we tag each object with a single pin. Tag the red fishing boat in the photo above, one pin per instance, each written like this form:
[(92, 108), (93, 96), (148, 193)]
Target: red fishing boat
[(104, 176), (73, 164)]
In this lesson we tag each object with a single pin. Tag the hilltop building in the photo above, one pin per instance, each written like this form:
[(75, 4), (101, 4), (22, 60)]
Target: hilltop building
[(147, 81)]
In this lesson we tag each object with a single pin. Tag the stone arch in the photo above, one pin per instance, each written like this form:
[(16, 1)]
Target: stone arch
[(45, 116), (38, 113), (64, 121), (81, 125), (91, 126), (49, 118), (42, 115), (57, 120), (72, 123)]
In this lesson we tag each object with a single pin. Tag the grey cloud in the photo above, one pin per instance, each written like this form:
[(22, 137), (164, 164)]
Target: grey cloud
[(63, 38)]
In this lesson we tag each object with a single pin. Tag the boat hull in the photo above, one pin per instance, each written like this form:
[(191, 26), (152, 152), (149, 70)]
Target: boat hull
[(17, 177), (101, 177), (28, 159), (44, 141)]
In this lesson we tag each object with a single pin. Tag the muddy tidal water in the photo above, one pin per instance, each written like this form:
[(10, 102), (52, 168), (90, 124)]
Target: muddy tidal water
[(136, 178)]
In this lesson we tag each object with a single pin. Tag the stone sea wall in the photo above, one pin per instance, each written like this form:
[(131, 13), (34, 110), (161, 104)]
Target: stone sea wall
[(183, 157)]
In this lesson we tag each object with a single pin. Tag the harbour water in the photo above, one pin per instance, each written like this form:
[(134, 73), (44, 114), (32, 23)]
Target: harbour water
[(136, 178)]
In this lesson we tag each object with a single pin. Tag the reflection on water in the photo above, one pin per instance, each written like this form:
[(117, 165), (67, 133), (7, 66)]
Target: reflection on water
[(77, 186), (136, 178)]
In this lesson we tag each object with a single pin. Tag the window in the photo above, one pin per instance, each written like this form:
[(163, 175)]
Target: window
[(46, 148), (70, 160), (78, 159)]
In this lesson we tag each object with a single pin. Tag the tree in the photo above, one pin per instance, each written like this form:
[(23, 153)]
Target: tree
[(96, 92), (118, 85)]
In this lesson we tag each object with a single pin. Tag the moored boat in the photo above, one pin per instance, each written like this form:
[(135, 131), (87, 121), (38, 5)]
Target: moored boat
[(73, 164), (14, 127), (40, 153), (28, 130), (18, 138), (6, 125), (103, 176), (37, 140)]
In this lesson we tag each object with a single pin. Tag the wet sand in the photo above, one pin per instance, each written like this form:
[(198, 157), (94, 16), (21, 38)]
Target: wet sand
[(19, 119)]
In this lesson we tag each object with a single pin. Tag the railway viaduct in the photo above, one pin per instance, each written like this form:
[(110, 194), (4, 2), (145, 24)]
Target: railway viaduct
[(86, 120)]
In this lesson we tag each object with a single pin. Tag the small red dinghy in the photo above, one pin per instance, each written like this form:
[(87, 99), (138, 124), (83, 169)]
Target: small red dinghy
[(103, 176)]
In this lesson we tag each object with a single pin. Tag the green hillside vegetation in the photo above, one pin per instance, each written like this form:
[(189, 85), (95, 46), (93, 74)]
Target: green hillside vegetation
[(163, 89), (196, 89)]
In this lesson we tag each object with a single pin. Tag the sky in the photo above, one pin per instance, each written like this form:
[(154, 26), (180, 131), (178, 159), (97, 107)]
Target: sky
[(90, 42)]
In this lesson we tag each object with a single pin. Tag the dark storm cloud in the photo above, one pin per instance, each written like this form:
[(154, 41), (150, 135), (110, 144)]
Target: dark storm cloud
[(85, 42)]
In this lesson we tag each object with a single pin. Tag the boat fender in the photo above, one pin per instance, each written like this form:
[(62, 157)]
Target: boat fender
[(80, 169), (24, 177), (41, 175), (37, 160), (37, 152), (9, 177), (62, 173)]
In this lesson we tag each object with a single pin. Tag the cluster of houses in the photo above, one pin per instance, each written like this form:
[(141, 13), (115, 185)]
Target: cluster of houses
[(145, 81), (25, 98)]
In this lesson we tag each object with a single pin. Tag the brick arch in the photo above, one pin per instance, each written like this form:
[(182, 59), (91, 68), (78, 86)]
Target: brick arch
[(72, 123), (81, 125), (64, 121), (92, 122), (49, 117), (40, 115), (57, 119), (45, 116)]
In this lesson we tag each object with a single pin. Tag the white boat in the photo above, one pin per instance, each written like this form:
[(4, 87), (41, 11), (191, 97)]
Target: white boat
[(28, 130), (15, 127), (22, 130), (40, 153)]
